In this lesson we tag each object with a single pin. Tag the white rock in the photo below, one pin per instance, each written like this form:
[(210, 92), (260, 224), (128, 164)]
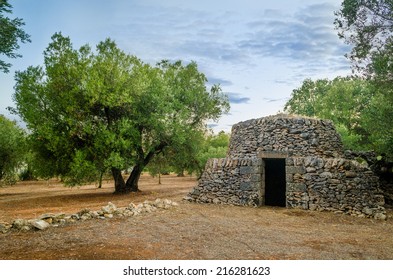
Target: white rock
[(128, 213), (94, 214), (380, 216), (131, 206), (4, 227), (19, 224), (109, 209), (40, 224), (86, 216)]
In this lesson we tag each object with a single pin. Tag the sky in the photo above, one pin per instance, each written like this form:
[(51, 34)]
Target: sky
[(259, 51)]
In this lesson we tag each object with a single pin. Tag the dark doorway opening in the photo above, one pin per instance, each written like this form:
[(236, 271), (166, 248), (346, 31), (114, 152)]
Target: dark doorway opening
[(275, 186)]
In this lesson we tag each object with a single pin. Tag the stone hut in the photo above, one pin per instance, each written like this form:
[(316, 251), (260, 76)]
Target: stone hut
[(293, 162)]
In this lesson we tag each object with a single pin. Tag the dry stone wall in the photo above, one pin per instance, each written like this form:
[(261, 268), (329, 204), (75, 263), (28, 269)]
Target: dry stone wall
[(333, 184), (229, 181), (107, 212), (317, 174)]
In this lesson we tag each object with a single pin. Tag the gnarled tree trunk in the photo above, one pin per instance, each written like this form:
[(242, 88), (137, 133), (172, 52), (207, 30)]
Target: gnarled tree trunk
[(132, 181), (120, 185)]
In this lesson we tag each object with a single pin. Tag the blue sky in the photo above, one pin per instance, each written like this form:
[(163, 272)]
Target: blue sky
[(259, 51)]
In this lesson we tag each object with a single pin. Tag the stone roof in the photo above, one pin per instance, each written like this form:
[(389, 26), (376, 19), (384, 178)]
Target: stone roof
[(289, 134)]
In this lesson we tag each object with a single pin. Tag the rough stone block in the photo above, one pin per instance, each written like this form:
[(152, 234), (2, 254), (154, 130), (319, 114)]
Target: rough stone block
[(195, 192), (334, 181), (256, 162), (289, 161), (379, 199), (350, 174), (295, 169), (40, 224), (245, 186), (297, 187), (256, 178), (326, 175), (247, 170)]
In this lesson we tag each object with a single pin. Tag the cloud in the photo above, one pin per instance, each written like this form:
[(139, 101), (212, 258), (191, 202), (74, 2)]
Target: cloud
[(236, 98), (213, 50), (288, 82), (306, 38), (176, 33), (222, 82), (270, 100), (212, 125), (301, 39)]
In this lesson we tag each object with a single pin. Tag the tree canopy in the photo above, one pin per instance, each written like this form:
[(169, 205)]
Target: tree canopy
[(367, 25), (192, 156), (89, 112), (11, 33), (12, 148), (353, 104)]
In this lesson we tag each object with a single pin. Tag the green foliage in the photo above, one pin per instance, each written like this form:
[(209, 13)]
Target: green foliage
[(340, 100), (81, 170), (306, 99), (26, 174), (350, 140), (221, 140), (346, 101), (367, 26), (89, 112), (361, 113), (185, 157), (159, 165), (192, 156), (377, 121), (214, 146), (12, 149), (10, 35)]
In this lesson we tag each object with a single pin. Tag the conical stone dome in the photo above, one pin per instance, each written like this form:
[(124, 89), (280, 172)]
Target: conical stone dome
[(286, 134)]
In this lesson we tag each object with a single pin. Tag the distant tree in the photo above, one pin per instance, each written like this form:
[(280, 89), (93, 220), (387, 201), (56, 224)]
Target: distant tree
[(193, 155), (367, 26), (11, 33), (220, 140), (215, 146), (91, 112), (184, 158), (306, 99), (12, 149), (342, 100), (377, 121), (345, 101), (159, 165)]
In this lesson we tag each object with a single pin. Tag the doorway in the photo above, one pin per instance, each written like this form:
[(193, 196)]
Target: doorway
[(275, 184)]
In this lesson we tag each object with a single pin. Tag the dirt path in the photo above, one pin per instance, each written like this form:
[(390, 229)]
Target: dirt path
[(189, 231)]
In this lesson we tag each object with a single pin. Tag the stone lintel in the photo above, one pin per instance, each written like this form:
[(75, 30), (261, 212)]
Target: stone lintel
[(272, 154)]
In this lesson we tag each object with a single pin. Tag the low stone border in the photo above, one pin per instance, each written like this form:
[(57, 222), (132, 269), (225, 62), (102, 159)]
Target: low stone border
[(107, 212)]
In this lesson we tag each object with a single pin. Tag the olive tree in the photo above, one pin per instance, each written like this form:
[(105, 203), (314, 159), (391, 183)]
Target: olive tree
[(12, 148), (89, 112), (11, 33)]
